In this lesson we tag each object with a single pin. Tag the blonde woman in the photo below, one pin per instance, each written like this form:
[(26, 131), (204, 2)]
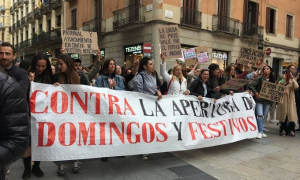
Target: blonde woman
[(176, 83)]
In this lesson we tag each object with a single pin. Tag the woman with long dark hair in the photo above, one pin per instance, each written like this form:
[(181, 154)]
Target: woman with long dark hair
[(201, 86), (262, 105), (109, 78)]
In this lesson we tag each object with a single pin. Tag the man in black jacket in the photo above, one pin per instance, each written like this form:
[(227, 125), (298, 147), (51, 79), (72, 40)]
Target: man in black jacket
[(14, 122), (7, 56)]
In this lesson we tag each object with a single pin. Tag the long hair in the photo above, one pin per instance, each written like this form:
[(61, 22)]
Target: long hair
[(227, 72), (271, 76), (143, 63), (70, 76), (105, 66), (173, 76), (211, 68), (25, 64), (46, 75)]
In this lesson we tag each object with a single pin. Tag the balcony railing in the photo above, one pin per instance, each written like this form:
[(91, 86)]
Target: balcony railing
[(226, 25), (24, 44), (37, 13), (55, 4), (45, 38), (134, 14), (23, 21), (30, 17), (45, 8), (1, 25), (190, 17), (11, 10), (18, 24), (20, 3), (253, 29), (72, 28), (94, 25), (2, 9), (16, 4)]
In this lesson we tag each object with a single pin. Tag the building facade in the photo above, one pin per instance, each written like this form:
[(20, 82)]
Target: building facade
[(223, 26), (5, 20)]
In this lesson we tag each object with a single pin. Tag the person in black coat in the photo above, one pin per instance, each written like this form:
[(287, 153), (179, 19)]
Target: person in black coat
[(14, 122), (201, 87)]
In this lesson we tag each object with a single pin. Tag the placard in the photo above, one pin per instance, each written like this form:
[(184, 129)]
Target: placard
[(169, 41), (189, 53), (202, 57), (235, 83), (251, 55), (79, 42), (271, 91)]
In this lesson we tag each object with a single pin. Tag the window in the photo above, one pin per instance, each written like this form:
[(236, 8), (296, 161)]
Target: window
[(49, 25), (250, 20), (189, 11), (58, 21), (223, 8), (289, 21), (40, 28), (271, 20), (73, 19)]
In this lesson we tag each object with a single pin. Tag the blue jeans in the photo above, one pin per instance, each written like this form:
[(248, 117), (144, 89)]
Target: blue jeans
[(261, 114)]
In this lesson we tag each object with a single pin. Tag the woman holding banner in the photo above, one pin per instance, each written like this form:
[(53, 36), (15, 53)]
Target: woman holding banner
[(286, 111), (146, 82), (177, 84), (262, 105), (39, 71), (230, 73), (68, 75)]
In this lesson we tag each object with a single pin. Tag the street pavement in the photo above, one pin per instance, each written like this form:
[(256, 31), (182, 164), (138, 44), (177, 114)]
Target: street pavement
[(270, 158)]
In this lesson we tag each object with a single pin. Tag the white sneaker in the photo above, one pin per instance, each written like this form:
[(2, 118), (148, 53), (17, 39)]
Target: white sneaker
[(259, 136), (264, 135), (144, 156)]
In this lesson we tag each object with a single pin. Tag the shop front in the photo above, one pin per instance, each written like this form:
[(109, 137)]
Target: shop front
[(220, 58), (132, 53)]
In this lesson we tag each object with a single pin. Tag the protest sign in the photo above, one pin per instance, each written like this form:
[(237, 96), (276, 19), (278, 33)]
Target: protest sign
[(202, 57), (79, 42), (82, 122), (169, 41), (201, 49), (235, 84), (251, 55), (189, 53), (271, 91)]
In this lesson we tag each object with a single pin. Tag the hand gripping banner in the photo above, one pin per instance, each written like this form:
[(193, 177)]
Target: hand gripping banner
[(81, 122)]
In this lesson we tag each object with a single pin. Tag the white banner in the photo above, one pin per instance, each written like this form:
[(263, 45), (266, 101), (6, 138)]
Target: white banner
[(81, 122)]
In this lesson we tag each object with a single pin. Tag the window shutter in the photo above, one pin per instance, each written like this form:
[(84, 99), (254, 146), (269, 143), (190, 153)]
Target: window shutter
[(256, 13), (245, 11), (287, 26), (268, 20)]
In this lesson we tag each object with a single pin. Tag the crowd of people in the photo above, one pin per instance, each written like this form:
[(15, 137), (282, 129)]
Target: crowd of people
[(142, 78)]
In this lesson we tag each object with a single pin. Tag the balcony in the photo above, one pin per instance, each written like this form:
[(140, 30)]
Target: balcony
[(72, 28), (24, 44), (24, 21), (95, 25), (190, 18), (37, 13), (9, 29), (30, 17), (2, 9), (18, 24), (11, 10), (20, 3), (249, 30), (45, 8), (17, 46), (15, 6), (129, 17), (54, 4), (1, 25), (46, 38), (225, 25), (25, 1), (13, 27)]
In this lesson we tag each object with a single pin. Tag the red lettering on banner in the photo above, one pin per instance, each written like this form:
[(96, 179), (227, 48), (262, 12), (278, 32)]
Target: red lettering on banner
[(102, 133), (235, 125), (64, 106), (209, 126), (160, 131), (203, 131), (112, 101), (119, 134), (97, 102), (129, 132), (145, 132), (51, 134), (127, 107), (62, 134), (243, 124), (33, 102), (83, 132), (80, 102), (223, 122), (192, 130), (251, 124)]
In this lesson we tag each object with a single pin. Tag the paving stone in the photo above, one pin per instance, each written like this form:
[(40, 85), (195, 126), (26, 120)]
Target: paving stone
[(244, 170), (260, 177), (266, 149), (162, 174), (292, 166), (246, 155), (224, 162), (280, 173), (99, 174), (160, 156), (185, 171), (166, 163), (259, 164), (198, 177), (295, 152), (278, 158)]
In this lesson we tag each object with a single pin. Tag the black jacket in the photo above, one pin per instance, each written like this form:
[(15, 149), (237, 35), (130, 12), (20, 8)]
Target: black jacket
[(14, 121), (197, 89), (19, 74)]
